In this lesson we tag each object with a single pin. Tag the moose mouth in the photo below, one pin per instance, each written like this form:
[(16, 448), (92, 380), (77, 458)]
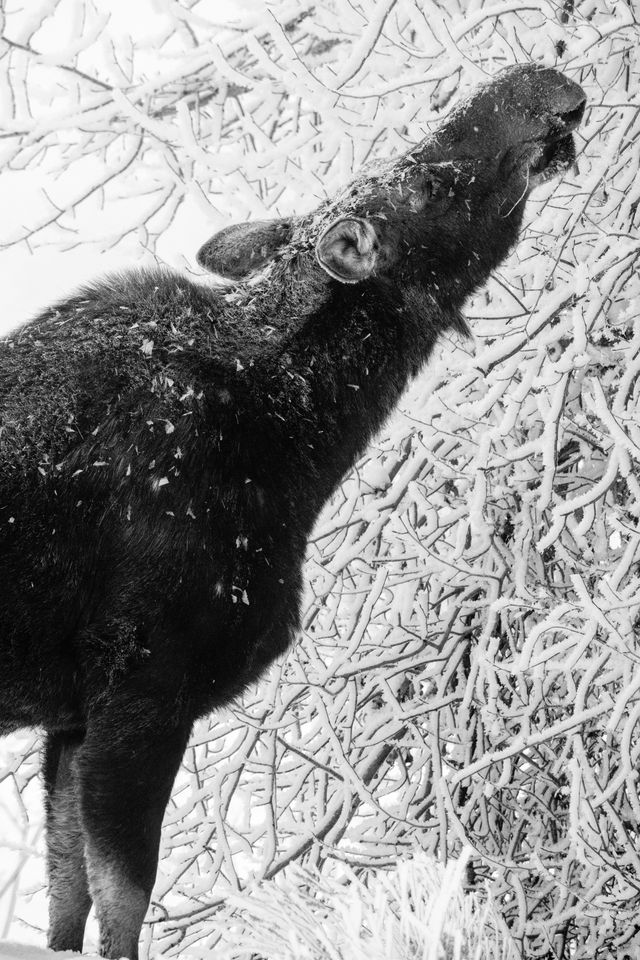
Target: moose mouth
[(554, 158), (557, 152)]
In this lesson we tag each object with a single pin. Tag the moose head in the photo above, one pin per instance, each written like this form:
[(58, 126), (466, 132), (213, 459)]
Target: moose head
[(458, 196)]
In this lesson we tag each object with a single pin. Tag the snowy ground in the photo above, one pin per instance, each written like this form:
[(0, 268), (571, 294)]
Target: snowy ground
[(9, 950)]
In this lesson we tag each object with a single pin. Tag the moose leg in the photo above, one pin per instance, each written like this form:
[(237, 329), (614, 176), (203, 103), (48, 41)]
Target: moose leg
[(69, 900), (126, 768)]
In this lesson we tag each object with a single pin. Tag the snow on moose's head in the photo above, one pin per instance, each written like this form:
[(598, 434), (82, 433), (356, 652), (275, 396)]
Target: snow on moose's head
[(442, 215)]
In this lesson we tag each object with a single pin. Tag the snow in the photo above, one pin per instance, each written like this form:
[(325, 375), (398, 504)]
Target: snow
[(475, 587), (19, 951)]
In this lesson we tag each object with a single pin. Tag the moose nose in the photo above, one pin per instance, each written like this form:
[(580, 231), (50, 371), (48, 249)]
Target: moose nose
[(570, 119), (522, 103), (565, 100)]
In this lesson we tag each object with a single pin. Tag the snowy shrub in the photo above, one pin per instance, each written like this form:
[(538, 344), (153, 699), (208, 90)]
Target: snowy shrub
[(468, 672), (413, 912)]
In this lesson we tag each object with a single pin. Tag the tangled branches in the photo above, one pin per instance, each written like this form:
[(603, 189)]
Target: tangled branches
[(468, 673)]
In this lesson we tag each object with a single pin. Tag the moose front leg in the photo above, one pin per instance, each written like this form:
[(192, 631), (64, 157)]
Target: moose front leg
[(69, 899), (126, 769)]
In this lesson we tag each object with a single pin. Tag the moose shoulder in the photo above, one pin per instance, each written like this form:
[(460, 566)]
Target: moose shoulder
[(165, 448)]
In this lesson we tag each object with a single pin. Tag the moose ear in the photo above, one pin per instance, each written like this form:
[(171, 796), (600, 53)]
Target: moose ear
[(244, 248), (348, 249)]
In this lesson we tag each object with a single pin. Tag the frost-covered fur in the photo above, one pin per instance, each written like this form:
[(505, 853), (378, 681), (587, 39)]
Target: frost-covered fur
[(69, 898), (120, 905), (165, 448)]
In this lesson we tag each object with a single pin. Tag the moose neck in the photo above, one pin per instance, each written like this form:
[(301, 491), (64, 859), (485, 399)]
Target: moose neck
[(337, 375)]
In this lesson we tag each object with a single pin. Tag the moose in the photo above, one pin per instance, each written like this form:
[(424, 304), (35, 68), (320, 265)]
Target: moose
[(167, 444)]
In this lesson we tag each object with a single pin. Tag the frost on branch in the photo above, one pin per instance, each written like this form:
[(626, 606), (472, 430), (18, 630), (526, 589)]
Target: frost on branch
[(469, 672)]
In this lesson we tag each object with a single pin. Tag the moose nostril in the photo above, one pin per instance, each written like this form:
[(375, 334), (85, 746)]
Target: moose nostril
[(571, 118)]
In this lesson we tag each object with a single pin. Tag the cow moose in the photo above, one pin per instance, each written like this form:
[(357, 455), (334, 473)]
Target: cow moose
[(166, 446)]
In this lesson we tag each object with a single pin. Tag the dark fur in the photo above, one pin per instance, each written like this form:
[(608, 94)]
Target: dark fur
[(165, 448)]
